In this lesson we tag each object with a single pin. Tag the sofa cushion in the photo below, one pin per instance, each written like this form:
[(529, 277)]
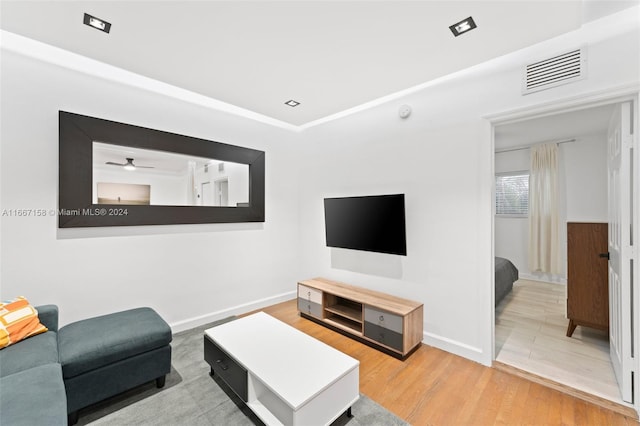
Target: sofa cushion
[(95, 342), (32, 352), (18, 320), (48, 315), (34, 397)]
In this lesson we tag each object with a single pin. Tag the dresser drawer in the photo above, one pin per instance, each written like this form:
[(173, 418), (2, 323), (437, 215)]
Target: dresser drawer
[(383, 335), (383, 319), (310, 294), (310, 308), (226, 367)]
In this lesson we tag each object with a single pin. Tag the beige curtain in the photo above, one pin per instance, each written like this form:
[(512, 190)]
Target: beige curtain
[(544, 240)]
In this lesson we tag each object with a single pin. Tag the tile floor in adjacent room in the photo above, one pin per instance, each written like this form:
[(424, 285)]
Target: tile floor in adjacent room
[(531, 335)]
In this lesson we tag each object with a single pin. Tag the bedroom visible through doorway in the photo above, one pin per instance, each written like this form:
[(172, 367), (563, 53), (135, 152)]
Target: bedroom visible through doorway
[(531, 321)]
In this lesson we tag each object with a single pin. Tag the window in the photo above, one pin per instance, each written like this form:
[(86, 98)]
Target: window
[(512, 194)]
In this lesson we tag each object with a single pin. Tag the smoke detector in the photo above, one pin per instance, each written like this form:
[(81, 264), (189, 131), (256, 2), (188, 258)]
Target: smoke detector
[(404, 111)]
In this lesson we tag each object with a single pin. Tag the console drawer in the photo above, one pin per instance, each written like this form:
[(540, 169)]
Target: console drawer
[(310, 294), (226, 367), (383, 335), (310, 308), (383, 319)]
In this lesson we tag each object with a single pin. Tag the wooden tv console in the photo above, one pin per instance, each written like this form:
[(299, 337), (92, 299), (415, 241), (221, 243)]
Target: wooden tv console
[(388, 323)]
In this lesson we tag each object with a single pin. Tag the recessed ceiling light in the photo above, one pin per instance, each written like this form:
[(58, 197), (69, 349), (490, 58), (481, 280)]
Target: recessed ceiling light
[(96, 23), (292, 103), (462, 26)]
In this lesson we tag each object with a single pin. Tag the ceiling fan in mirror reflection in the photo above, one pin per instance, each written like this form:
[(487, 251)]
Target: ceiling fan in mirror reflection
[(128, 165)]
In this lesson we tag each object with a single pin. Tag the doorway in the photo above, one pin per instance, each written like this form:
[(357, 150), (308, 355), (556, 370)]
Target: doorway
[(207, 194), (221, 192), (530, 322)]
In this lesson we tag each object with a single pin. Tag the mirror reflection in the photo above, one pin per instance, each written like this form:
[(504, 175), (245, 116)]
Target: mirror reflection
[(135, 176)]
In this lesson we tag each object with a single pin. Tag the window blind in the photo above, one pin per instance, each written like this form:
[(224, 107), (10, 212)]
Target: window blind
[(512, 194)]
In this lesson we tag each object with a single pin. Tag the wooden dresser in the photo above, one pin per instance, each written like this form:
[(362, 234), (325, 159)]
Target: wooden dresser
[(587, 276)]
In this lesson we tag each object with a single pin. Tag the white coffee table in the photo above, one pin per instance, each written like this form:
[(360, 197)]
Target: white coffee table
[(285, 376)]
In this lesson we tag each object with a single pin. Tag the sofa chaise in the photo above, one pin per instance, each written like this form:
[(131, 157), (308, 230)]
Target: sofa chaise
[(46, 379)]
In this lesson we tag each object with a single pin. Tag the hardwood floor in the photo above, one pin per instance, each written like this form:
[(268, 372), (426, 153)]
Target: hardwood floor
[(531, 335), (433, 387)]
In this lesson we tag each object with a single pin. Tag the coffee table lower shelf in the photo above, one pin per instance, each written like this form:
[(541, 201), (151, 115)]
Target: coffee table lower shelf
[(263, 413)]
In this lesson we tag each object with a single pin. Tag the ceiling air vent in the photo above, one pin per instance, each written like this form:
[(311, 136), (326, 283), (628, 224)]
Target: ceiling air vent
[(561, 69)]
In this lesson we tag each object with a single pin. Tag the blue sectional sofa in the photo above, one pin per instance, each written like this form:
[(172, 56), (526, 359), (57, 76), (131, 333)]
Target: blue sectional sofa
[(46, 379), (31, 384)]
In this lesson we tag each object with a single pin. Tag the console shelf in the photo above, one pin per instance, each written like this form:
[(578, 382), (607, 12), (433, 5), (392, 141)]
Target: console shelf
[(386, 322), (345, 323), (343, 307), (347, 312)]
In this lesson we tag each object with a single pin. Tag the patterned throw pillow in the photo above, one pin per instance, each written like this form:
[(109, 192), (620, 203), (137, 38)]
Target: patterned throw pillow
[(18, 320)]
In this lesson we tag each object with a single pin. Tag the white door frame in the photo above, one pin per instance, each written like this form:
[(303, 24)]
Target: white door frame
[(599, 98), (217, 189), (620, 248)]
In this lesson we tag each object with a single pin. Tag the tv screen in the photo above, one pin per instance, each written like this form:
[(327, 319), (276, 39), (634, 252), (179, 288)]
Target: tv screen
[(372, 223)]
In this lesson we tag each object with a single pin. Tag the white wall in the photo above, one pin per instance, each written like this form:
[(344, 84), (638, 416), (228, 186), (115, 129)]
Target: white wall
[(441, 157), (585, 163), (583, 198), (189, 273)]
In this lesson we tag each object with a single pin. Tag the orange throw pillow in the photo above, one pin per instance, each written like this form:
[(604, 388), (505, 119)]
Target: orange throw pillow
[(18, 320)]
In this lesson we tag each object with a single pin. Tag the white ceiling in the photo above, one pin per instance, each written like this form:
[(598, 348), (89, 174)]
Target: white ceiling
[(329, 55), (162, 162), (553, 128)]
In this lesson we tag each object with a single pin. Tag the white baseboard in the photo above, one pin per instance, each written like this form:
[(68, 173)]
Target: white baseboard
[(189, 323), (544, 278), (455, 347)]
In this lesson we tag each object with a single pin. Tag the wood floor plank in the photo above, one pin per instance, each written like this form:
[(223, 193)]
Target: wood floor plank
[(505, 411), (473, 398), (520, 406), (568, 410), (442, 393), (487, 411), (554, 416), (433, 387), (543, 398)]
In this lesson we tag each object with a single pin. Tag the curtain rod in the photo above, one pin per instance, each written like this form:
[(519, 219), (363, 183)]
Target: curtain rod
[(518, 148)]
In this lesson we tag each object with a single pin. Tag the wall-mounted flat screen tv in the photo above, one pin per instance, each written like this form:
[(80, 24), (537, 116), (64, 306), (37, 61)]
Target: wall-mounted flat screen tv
[(370, 223)]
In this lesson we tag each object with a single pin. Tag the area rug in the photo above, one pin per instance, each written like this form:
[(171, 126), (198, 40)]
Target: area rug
[(192, 397)]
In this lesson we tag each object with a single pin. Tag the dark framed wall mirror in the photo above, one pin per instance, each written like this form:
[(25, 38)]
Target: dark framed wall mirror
[(117, 174)]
